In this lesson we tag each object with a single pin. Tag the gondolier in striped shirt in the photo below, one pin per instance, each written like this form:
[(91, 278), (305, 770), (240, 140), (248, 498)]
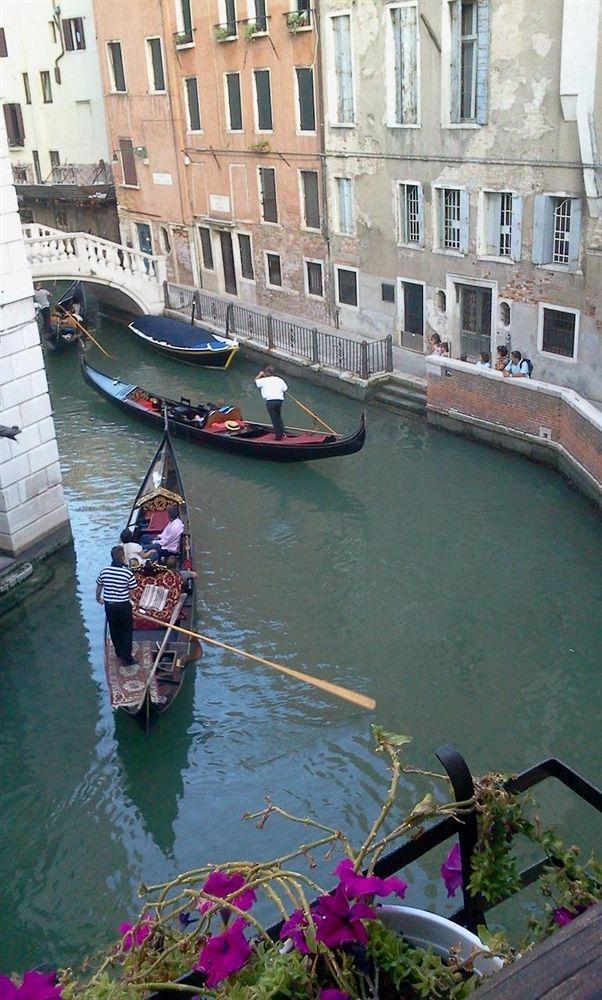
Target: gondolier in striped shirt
[(114, 586)]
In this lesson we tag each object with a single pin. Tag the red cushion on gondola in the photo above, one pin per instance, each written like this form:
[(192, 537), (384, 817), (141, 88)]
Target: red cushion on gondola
[(157, 520)]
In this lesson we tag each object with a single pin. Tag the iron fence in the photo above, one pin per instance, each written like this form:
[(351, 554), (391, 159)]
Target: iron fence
[(358, 357)]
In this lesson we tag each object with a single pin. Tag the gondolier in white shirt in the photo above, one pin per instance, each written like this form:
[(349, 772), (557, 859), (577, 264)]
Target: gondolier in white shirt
[(272, 389), (114, 586)]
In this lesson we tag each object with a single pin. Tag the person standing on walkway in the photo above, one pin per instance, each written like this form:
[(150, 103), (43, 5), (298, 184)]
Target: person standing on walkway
[(42, 299), (272, 389), (114, 586)]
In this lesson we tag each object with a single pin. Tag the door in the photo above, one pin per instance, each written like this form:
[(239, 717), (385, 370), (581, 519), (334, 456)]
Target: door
[(145, 239), (225, 239), (412, 334), (475, 312)]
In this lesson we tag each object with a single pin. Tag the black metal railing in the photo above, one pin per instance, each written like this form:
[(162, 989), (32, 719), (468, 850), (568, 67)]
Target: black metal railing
[(184, 37), (255, 25), (297, 20), (472, 913), (226, 31), (363, 358)]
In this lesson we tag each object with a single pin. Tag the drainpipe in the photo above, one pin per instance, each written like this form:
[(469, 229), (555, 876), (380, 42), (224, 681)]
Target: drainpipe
[(325, 192), (56, 17)]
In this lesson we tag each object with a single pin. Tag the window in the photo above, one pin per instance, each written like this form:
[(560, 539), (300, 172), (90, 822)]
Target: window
[(193, 112), (504, 313), (453, 220), (261, 21), (26, 215), (274, 270), (46, 86), (314, 279), (55, 160), (3, 48), (502, 225), (440, 300), (61, 221), (73, 33), (128, 161), (469, 60), (346, 287), (164, 240), (206, 248), (557, 230), (267, 187), (228, 11), (305, 93), (343, 110), (413, 308), (387, 292), (184, 22), (156, 75), (234, 103), (116, 68), (14, 124), (403, 103), (36, 166), (246, 257), (26, 88), (558, 331), (52, 27), (411, 213), (311, 199), (344, 222), (263, 99)]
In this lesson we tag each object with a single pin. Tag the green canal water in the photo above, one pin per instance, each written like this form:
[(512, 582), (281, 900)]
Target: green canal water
[(458, 585)]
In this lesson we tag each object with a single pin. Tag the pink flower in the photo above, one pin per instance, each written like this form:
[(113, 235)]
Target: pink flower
[(331, 994), (367, 885), (563, 915), (224, 954), (135, 934), (222, 884), (340, 922), (451, 871), (35, 986), (294, 928)]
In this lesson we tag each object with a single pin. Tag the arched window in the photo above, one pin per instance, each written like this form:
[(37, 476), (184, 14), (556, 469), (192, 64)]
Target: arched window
[(164, 239), (505, 313), (440, 300)]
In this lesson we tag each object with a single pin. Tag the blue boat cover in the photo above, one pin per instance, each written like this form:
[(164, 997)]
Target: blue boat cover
[(173, 333)]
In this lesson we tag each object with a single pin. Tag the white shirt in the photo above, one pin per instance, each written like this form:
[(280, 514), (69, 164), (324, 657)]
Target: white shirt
[(271, 387), (482, 364), (42, 297), (132, 550)]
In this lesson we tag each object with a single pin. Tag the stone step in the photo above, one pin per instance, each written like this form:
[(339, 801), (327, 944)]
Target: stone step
[(391, 393), (400, 404)]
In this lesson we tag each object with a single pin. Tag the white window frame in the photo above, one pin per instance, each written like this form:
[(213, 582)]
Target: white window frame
[(390, 67), (446, 77), (550, 354), (483, 223), (438, 235), (553, 265), (223, 19), (331, 82), (299, 130), (401, 304), (149, 63), (233, 131), (112, 81), (302, 213), (245, 232), (311, 295), (202, 265), (192, 131), (399, 196), (180, 25), (272, 253), (252, 17), (336, 204), (346, 305), (262, 221), (261, 131)]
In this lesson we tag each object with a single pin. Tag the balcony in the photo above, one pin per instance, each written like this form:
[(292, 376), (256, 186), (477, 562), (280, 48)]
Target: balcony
[(184, 39), (255, 26), (299, 20), (225, 32)]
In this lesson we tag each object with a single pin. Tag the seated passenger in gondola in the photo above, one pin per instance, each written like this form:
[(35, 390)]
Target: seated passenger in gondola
[(168, 542), (133, 552), (187, 574)]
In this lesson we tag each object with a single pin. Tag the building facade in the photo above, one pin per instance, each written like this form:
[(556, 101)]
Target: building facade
[(212, 109), (54, 115), (463, 191)]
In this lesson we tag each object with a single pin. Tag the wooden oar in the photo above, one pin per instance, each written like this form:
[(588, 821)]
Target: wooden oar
[(312, 414), (83, 329), (157, 660), (341, 692)]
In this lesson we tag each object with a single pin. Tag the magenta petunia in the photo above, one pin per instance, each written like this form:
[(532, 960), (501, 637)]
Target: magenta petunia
[(339, 922), (224, 953), (294, 928), (222, 884), (367, 885), (35, 986), (332, 994), (135, 934), (451, 871), (563, 915)]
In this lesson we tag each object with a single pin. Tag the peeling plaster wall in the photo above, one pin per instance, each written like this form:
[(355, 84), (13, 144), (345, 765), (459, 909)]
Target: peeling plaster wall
[(525, 127)]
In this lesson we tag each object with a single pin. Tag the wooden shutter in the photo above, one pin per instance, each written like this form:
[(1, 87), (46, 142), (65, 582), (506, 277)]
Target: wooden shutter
[(421, 215), (3, 48), (157, 64), (117, 67), (455, 13), (14, 124), (464, 220), (305, 86), (246, 256), (234, 101), (264, 100), (516, 237), (192, 98), (575, 234), (405, 44), (186, 18), (268, 194), (311, 199), (343, 68), (543, 224), (68, 35), (78, 31), (483, 19), (206, 248), (128, 161), (413, 308)]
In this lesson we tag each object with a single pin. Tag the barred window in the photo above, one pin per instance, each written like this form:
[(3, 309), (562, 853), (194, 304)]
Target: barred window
[(557, 230), (451, 219), (410, 214), (505, 247), (562, 230), (559, 332)]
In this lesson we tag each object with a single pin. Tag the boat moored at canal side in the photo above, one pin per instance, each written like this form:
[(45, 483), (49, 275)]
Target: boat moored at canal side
[(223, 427), (185, 341)]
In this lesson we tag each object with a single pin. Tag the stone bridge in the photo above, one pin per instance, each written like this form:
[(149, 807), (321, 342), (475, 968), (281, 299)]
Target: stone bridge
[(125, 277)]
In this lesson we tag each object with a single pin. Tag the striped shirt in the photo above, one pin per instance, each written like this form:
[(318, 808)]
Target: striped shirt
[(116, 583)]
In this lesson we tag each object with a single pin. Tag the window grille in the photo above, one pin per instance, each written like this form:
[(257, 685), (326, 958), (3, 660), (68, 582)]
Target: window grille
[(505, 243), (451, 219), (410, 222), (562, 231), (558, 332)]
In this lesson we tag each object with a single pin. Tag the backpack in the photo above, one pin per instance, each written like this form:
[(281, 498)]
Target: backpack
[(529, 365)]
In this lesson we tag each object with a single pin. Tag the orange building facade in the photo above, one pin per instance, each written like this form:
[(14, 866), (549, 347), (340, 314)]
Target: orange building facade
[(213, 115)]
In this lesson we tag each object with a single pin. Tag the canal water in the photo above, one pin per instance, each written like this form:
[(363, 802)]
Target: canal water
[(458, 585)]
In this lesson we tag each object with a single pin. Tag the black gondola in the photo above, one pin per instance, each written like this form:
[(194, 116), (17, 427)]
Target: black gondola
[(185, 341), (65, 332), (224, 427), (151, 685)]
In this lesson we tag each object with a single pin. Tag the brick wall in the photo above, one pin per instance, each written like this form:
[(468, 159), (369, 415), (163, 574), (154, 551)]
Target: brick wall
[(517, 407)]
